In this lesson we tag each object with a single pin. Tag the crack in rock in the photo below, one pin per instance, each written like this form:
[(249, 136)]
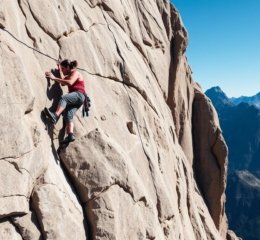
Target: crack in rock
[(63, 192), (71, 181), (122, 71), (127, 189), (40, 25), (16, 157), (15, 195), (155, 20), (77, 19), (17, 229)]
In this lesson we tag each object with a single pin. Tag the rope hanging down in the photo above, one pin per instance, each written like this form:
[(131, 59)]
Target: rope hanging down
[(36, 50)]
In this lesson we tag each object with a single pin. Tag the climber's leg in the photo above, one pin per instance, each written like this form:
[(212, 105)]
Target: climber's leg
[(70, 99), (68, 119), (69, 127)]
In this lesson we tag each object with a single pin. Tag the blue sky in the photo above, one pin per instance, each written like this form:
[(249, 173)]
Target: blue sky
[(224, 43)]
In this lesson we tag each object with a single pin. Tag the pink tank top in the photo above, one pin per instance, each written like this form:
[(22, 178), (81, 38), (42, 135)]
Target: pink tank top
[(77, 86)]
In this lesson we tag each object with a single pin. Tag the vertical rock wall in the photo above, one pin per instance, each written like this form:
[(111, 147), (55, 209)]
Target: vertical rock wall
[(138, 168)]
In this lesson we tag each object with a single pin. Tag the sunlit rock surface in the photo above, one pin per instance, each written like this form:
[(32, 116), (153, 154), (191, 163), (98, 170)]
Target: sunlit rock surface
[(150, 160)]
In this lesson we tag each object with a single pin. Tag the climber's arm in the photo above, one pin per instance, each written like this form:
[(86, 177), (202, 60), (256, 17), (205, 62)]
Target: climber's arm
[(69, 80), (60, 71)]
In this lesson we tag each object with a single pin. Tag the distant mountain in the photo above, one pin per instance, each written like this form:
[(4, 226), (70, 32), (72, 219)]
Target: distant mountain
[(218, 97), (240, 123), (243, 211), (254, 100), (241, 129)]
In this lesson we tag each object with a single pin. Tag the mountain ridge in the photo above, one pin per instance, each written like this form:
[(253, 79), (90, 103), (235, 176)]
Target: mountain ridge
[(213, 92), (241, 129), (252, 100)]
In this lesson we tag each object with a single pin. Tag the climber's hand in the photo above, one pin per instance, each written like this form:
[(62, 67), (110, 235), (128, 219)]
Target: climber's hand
[(49, 75)]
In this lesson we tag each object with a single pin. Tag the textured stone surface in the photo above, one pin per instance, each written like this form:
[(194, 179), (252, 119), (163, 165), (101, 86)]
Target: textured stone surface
[(8, 231), (210, 164), (27, 226), (129, 174), (57, 208)]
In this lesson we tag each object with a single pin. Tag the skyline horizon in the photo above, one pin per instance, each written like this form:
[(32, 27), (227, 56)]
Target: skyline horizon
[(231, 96), (223, 44)]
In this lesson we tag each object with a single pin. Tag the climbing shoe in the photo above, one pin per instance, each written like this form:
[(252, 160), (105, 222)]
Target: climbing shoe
[(52, 116), (68, 139)]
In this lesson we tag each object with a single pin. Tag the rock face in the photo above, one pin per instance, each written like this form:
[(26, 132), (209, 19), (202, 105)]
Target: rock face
[(139, 168), (210, 167)]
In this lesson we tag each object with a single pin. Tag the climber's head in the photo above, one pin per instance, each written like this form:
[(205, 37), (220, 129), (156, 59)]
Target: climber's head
[(67, 66)]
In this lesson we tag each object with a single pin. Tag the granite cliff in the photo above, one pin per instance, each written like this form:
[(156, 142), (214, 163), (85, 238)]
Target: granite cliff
[(150, 161)]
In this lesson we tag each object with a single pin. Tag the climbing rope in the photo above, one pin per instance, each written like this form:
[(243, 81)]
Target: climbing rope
[(38, 51)]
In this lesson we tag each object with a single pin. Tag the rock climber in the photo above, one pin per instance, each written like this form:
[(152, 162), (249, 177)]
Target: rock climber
[(70, 102)]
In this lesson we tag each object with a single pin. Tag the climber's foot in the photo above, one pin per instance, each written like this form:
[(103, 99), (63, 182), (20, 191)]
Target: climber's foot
[(70, 138)]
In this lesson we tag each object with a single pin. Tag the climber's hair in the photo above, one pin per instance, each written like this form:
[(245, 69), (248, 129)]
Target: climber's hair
[(67, 63)]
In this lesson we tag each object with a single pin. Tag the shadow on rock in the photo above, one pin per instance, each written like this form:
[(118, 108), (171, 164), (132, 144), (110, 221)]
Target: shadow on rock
[(54, 93)]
